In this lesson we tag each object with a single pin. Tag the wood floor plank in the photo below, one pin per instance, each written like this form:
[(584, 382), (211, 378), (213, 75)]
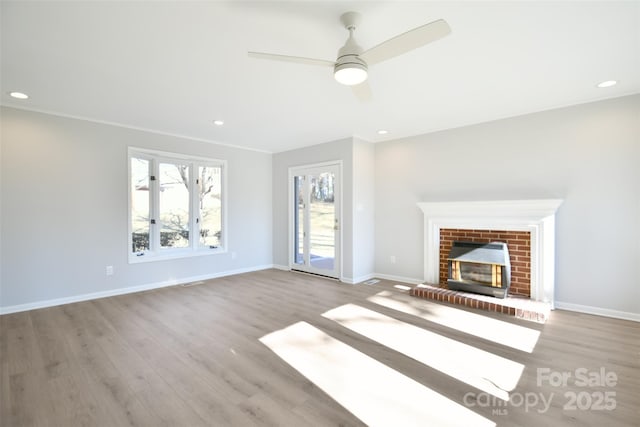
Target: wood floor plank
[(28, 395), (153, 363), (67, 387), (193, 356), (266, 411), (73, 401), (184, 350), (244, 359), (113, 399)]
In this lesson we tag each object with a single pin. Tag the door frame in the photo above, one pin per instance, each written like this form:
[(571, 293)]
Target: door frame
[(290, 213)]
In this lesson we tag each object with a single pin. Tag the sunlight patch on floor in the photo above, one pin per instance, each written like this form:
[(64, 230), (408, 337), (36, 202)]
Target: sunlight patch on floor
[(370, 390), (488, 328), (478, 368)]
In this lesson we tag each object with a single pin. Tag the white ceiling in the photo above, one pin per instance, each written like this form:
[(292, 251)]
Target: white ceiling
[(174, 67)]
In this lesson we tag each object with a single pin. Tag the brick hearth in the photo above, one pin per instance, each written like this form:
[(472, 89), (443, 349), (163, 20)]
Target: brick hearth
[(520, 307)]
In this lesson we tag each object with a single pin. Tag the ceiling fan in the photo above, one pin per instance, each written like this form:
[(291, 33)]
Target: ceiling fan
[(351, 66)]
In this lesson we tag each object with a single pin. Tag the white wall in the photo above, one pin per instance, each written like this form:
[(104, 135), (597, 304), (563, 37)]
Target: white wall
[(63, 200), (587, 155), (64, 209), (363, 210)]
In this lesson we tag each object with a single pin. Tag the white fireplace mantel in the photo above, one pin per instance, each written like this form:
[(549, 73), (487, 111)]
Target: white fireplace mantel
[(535, 216)]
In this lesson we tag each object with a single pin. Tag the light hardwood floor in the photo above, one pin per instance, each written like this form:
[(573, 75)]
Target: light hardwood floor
[(192, 356)]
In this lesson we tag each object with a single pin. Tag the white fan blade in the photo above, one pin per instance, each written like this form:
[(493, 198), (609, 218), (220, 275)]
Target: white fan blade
[(298, 59), (362, 92), (405, 42)]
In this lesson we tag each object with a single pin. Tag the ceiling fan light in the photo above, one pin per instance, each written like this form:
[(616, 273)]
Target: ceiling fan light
[(350, 74)]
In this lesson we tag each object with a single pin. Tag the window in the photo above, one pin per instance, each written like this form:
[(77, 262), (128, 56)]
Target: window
[(176, 205)]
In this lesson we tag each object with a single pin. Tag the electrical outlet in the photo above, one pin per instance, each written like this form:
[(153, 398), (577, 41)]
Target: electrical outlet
[(392, 258), (109, 270), (234, 255)]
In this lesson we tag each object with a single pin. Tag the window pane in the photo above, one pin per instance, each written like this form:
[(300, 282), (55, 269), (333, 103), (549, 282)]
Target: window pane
[(174, 205), (139, 204), (299, 224), (323, 221), (210, 202)]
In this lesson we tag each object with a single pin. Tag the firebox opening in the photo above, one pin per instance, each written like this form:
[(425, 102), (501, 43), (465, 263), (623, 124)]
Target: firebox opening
[(482, 268)]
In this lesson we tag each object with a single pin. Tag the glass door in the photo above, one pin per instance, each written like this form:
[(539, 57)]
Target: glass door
[(316, 220)]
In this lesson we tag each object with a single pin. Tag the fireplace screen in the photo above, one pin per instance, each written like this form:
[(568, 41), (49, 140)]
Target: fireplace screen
[(480, 267)]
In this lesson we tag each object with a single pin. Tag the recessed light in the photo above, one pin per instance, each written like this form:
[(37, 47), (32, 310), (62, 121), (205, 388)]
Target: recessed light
[(383, 132), (607, 83), (18, 95), (218, 122)]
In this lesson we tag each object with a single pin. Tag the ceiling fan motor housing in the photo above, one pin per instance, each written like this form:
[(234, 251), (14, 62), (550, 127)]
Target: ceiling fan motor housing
[(350, 60)]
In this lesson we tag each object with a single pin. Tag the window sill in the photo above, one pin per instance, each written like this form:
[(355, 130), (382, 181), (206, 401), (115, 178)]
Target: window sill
[(148, 257)]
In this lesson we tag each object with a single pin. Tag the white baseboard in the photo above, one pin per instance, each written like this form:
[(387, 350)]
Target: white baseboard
[(347, 280), (598, 311), (127, 290), (410, 280), (360, 279)]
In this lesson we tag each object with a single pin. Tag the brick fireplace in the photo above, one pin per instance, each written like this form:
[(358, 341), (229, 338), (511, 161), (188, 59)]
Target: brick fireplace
[(518, 242), (515, 221)]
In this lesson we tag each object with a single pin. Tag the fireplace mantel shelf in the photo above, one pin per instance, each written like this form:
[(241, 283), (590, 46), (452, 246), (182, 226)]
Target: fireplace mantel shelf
[(536, 216)]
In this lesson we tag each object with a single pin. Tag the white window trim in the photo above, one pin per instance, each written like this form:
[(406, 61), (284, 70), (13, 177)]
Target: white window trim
[(194, 249)]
